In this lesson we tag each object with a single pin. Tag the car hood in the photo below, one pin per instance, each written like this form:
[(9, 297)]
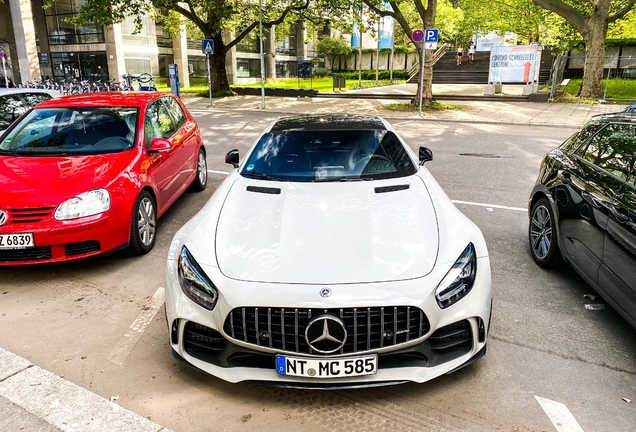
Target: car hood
[(327, 233), (38, 181)]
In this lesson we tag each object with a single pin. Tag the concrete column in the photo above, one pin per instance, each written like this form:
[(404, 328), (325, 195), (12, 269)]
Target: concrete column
[(230, 60), (180, 53), (115, 52), (269, 48), (24, 32), (301, 34)]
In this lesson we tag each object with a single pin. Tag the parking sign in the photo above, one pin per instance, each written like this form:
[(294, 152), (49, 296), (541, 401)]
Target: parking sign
[(431, 35)]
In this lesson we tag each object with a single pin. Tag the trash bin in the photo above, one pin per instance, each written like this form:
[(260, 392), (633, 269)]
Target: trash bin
[(339, 82)]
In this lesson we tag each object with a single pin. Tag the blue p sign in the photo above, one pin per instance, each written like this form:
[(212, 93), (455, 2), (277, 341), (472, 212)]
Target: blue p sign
[(431, 35)]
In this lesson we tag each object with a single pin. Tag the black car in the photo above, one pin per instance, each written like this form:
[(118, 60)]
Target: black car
[(583, 209)]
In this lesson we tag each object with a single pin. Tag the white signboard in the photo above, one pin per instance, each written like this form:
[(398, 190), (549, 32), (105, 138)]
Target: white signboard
[(514, 64)]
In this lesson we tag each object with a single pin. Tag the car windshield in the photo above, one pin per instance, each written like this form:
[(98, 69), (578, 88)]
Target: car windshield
[(72, 131), (314, 156)]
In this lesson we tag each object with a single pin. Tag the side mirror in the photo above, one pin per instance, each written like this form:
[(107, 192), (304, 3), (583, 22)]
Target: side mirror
[(159, 145), (232, 158), (425, 155)]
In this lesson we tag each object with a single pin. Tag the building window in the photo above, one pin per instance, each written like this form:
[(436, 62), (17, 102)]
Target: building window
[(248, 68), (286, 69), (80, 65), (138, 64), (60, 32), (249, 44), (287, 46)]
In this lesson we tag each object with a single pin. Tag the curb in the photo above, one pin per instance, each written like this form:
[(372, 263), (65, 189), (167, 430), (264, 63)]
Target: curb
[(63, 404)]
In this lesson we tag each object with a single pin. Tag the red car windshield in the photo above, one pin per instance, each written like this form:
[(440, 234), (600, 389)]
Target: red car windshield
[(72, 131)]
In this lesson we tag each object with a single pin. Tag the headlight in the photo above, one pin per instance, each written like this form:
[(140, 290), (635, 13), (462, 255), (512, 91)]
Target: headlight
[(194, 282), (459, 280), (85, 204)]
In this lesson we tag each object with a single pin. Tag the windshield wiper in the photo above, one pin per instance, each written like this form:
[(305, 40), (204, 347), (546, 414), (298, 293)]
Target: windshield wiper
[(342, 179), (263, 177)]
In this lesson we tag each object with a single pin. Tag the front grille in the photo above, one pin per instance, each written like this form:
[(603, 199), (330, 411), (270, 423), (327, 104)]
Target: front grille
[(458, 335), (81, 247), (30, 215), (31, 254), (367, 328)]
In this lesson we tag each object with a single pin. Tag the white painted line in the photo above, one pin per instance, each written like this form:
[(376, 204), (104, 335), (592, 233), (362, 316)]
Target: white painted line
[(520, 209), (218, 172), (559, 415), (402, 91), (126, 344), (65, 405)]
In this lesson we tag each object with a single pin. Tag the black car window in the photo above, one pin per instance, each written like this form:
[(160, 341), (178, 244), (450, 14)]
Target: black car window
[(11, 107), (575, 142), (35, 98), (612, 149), (329, 155), (175, 110), (158, 123)]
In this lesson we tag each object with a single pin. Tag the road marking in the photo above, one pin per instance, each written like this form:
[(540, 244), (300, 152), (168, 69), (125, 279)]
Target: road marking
[(126, 344), (559, 415), (520, 209)]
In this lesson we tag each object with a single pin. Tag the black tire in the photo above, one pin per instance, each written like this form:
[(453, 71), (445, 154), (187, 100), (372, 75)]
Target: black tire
[(201, 179), (143, 229), (542, 235)]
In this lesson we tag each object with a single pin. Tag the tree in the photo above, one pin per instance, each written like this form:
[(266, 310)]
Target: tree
[(332, 49), (216, 19), (591, 19)]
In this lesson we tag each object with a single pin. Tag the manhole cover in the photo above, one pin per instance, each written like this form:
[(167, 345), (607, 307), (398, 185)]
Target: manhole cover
[(481, 155)]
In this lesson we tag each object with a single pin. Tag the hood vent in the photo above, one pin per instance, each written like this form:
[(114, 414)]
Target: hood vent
[(265, 190), (394, 188)]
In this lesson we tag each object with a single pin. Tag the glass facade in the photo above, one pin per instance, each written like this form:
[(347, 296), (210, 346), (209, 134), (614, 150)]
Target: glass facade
[(89, 65), (287, 46), (61, 32), (286, 69), (248, 68), (249, 43)]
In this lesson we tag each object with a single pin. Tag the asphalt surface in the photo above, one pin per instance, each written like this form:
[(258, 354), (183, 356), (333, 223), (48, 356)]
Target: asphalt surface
[(67, 319)]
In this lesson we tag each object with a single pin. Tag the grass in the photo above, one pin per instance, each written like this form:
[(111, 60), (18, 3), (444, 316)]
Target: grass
[(324, 84), (434, 106), (617, 89)]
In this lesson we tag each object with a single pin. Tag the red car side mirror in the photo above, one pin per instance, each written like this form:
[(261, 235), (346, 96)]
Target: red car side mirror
[(159, 145)]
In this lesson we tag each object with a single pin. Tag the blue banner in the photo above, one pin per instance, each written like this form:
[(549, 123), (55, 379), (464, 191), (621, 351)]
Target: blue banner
[(386, 29), (355, 35)]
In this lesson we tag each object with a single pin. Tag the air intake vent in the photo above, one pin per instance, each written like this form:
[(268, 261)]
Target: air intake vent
[(81, 248), (265, 190), (202, 338), (456, 335), (394, 188), (31, 254)]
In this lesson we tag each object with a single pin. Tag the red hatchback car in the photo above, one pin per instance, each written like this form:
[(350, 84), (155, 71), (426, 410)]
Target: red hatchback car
[(90, 174)]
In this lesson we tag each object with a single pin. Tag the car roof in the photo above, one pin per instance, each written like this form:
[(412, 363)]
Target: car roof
[(622, 116), (100, 99), (12, 91), (312, 122)]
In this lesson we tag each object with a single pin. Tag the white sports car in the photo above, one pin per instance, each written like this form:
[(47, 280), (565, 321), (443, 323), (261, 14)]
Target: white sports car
[(328, 258)]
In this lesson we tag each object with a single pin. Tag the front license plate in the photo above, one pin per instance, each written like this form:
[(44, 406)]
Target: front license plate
[(16, 241), (327, 368)]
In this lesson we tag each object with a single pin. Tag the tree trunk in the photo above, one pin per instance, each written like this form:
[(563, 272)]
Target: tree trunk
[(594, 39), (217, 66)]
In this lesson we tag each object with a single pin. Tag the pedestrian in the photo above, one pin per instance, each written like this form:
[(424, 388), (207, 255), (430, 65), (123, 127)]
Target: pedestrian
[(471, 52), (460, 52)]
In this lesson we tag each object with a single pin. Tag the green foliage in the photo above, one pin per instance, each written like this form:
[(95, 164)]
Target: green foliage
[(332, 48), (324, 84), (617, 89), (433, 106)]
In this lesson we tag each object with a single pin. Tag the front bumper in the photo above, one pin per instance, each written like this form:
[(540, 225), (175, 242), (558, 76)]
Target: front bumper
[(455, 336)]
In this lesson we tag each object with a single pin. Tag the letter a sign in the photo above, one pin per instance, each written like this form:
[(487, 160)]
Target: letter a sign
[(208, 46)]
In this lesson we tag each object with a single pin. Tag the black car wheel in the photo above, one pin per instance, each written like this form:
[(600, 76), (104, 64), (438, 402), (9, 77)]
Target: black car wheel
[(542, 235), (144, 225), (201, 179)]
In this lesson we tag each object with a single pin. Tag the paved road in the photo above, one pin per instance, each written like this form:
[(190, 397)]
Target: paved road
[(69, 318)]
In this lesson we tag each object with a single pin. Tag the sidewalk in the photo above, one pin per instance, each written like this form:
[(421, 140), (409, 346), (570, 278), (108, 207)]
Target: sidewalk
[(571, 115)]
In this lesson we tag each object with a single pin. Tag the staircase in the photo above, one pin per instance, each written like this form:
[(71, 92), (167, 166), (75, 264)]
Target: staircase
[(446, 70)]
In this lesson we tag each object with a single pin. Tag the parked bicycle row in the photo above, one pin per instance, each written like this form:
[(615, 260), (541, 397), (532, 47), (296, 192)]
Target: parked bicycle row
[(141, 82)]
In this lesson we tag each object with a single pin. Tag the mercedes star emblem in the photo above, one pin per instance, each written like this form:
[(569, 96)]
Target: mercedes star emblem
[(325, 334), (325, 292), (4, 217)]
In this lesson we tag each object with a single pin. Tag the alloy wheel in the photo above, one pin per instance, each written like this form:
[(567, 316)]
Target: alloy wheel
[(146, 221), (541, 232)]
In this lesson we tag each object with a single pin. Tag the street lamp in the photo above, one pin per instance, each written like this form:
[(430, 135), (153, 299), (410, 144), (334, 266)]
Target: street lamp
[(260, 25)]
